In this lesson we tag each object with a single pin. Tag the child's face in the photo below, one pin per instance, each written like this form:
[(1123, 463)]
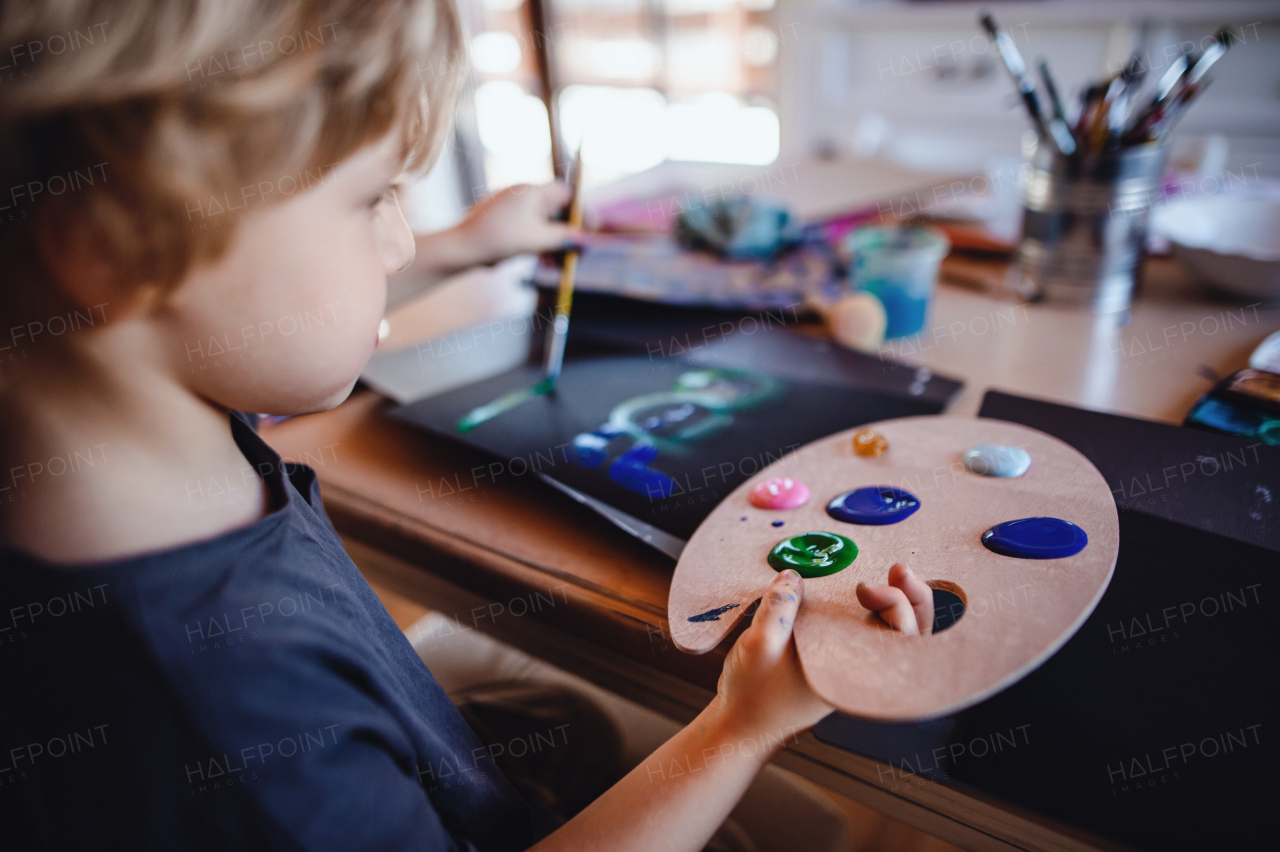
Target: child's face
[(284, 321)]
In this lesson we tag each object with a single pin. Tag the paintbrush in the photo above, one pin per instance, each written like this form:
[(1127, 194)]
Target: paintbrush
[(1051, 90), (1181, 84), (554, 357), (1193, 83), (1174, 114), (1102, 121), (1221, 41), (1017, 69), (1124, 106), (1088, 107), (1172, 75), (559, 331), (1166, 89), (1118, 110), (1058, 126)]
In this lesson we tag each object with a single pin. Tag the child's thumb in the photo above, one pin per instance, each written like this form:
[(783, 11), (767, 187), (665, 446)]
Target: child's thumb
[(778, 607)]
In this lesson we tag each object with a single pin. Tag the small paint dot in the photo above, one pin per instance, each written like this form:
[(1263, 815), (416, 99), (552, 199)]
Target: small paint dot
[(778, 523), (744, 517)]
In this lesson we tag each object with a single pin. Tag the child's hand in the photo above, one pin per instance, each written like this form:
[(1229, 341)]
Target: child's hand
[(906, 603), (763, 691), (762, 701), (517, 220)]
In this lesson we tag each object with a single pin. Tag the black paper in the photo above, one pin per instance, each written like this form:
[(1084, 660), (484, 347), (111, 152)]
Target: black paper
[(537, 436)]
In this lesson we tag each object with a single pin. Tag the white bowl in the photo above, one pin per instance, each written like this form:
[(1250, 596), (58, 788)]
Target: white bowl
[(1231, 243)]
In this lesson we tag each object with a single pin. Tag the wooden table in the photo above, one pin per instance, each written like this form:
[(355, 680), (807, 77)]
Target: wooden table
[(509, 556)]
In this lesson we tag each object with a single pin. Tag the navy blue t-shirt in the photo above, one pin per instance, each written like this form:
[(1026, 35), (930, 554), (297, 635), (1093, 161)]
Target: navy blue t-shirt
[(245, 692)]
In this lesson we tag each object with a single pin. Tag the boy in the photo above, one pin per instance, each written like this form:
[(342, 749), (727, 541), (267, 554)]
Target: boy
[(224, 678)]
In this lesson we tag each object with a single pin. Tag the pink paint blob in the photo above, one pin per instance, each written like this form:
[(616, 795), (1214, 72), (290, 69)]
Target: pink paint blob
[(780, 492)]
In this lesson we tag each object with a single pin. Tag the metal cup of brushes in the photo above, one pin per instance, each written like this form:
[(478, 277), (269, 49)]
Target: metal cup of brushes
[(1091, 181), (1084, 225)]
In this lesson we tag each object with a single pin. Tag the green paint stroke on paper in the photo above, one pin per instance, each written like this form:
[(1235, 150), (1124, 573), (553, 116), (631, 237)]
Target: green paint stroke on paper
[(504, 403)]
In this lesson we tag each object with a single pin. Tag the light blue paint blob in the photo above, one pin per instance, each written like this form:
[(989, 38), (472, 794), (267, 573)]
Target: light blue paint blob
[(997, 460), (1035, 538), (876, 505)]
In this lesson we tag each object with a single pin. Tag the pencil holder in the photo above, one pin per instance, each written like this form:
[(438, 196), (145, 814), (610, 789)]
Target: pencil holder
[(1084, 225)]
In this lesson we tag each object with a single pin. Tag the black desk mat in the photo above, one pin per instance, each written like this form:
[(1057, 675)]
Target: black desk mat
[(1154, 725), (1218, 483)]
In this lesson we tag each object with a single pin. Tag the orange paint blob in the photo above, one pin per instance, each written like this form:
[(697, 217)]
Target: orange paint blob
[(870, 444)]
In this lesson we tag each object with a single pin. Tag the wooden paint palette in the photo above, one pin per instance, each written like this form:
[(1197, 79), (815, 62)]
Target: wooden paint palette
[(1017, 612)]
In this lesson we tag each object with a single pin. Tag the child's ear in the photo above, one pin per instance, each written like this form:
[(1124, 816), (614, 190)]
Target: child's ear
[(85, 273)]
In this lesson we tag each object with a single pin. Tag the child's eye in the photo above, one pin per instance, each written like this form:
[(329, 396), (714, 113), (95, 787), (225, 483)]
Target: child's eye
[(386, 194)]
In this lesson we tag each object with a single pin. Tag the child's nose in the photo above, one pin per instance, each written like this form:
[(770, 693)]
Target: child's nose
[(398, 247)]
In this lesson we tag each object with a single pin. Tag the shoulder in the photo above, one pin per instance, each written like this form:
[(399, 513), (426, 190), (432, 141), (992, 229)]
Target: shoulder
[(248, 419), (121, 498)]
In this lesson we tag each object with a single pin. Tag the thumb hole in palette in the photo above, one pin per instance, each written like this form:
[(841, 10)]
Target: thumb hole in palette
[(949, 604)]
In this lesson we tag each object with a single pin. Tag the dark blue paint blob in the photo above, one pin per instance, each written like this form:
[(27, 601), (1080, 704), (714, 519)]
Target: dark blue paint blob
[(744, 517), (713, 614), (778, 523), (590, 449), (1035, 538), (631, 470), (876, 506)]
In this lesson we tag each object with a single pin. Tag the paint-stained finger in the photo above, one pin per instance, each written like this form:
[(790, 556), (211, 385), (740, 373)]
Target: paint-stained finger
[(917, 592), (778, 608), (892, 605)]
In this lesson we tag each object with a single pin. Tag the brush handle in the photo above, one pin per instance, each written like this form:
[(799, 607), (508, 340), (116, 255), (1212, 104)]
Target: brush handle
[(1017, 69), (559, 331), (1052, 91)]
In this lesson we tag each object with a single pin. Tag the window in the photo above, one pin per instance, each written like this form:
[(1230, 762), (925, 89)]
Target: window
[(640, 80)]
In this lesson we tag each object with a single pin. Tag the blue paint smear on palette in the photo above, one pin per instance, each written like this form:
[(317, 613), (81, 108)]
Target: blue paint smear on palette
[(713, 614), (1035, 538), (778, 523), (876, 505)]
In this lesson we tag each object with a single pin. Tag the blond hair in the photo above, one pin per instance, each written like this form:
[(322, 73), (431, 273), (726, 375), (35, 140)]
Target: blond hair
[(124, 116)]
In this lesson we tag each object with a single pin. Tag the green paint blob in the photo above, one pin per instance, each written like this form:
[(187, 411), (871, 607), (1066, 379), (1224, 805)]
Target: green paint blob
[(813, 554)]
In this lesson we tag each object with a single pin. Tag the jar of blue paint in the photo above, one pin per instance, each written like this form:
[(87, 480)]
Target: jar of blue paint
[(899, 266)]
